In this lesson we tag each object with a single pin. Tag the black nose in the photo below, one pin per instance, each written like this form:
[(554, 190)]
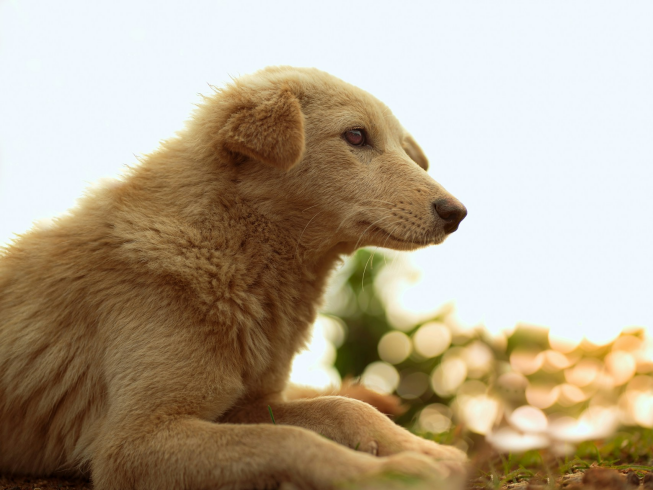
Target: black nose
[(452, 211)]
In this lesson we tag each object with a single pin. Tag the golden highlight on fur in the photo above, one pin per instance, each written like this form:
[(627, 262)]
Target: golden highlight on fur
[(145, 333)]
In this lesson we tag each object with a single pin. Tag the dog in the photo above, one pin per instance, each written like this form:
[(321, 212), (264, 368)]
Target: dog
[(146, 337)]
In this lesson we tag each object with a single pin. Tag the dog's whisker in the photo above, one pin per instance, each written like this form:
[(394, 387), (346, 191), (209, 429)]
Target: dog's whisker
[(372, 224), (302, 233), (357, 210), (364, 269), (390, 234), (393, 262), (342, 222)]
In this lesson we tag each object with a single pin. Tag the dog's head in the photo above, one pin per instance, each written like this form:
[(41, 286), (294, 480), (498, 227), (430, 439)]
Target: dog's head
[(328, 159)]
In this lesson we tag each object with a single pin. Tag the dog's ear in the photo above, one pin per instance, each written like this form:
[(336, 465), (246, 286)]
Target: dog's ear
[(415, 152), (268, 127)]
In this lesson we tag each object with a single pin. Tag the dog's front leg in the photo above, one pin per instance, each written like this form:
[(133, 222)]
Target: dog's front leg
[(194, 454), (349, 422)]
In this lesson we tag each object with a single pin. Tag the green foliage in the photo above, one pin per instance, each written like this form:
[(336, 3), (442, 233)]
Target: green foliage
[(365, 325), (624, 451), (271, 415), (367, 322)]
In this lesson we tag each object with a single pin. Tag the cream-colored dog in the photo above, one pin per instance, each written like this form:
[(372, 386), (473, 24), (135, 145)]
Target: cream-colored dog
[(143, 336)]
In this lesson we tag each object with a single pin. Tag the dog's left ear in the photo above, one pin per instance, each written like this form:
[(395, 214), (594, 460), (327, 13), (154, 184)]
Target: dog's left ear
[(415, 152), (268, 127)]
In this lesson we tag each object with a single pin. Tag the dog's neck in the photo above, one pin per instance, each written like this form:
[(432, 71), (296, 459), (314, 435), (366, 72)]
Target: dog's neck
[(197, 229), (198, 196)]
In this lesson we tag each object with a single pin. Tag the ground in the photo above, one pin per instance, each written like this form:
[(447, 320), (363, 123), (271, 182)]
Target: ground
[(622, 462)]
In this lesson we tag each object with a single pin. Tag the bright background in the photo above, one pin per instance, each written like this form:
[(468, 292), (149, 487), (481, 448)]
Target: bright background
[(537, 115)]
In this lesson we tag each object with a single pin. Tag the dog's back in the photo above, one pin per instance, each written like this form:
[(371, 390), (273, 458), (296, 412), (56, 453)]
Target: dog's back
[(78, 295), (51, 382)]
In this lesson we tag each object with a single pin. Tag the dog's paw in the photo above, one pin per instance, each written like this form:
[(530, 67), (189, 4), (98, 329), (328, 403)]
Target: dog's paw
[(435, 450), (370, 447), (407, 470), (400, 440), (447, 456), (419, 464)]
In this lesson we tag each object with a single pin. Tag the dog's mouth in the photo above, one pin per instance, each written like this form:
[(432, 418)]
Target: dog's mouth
[(377, 230)]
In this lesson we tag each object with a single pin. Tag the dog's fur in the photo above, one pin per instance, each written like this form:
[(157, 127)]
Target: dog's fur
[(144, 334)]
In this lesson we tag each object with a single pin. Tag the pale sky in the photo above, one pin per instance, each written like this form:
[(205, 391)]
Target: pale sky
[(538, 116)]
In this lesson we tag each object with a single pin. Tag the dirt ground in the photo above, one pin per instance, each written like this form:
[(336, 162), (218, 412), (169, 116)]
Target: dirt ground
[(31, 483), (592, 479)]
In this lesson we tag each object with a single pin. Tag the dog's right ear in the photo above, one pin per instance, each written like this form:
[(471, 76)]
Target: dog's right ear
[(266, 126)]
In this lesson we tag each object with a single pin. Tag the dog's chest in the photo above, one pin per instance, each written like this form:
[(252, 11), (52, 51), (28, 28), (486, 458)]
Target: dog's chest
[(242, 282), (251, 288)]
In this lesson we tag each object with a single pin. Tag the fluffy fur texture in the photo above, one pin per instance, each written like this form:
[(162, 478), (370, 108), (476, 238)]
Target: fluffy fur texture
[(144, 334)]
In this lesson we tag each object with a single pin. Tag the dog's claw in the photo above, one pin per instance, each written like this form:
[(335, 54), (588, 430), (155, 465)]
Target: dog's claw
[(374, 448)]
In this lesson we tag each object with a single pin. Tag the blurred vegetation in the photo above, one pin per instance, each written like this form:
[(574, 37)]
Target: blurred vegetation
[(627, 453), (600, 387), (367, 323)]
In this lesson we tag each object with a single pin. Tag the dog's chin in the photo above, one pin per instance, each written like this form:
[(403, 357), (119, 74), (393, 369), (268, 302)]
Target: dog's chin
[(378, 237)]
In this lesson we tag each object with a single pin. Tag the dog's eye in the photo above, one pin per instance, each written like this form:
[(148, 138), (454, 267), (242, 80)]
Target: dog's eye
[(355, 137)]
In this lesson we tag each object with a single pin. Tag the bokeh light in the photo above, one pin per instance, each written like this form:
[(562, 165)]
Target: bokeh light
[(565, 343), (395, 347), (435, 418), (521, 387), (478, 412), (381, 376), (621, 365), (413, 385), (542, 395), (528, 419), (584, 372), (479, 359), (314, 366), (526, 361), (432, 339), (594, 423), (448, 376), (507, 439)]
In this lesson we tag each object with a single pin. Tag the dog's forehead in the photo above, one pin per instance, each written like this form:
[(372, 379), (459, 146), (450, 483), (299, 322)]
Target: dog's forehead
[(331, 100), (346, 104)]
